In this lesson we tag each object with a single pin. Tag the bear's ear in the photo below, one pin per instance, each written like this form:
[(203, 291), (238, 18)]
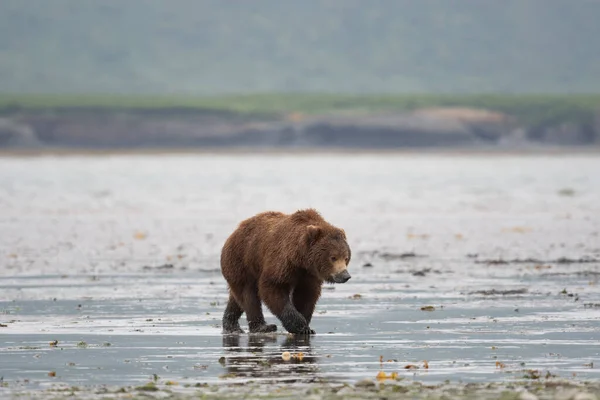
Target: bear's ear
[(313, 232), (343, 233)]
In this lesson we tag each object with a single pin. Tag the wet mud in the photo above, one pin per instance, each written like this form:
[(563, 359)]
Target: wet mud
[(472, 276)]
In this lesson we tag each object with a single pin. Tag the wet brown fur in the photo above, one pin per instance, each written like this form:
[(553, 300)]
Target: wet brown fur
[(280, 260)]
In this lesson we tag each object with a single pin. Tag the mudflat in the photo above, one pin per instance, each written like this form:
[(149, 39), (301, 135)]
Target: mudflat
[(473, 276)]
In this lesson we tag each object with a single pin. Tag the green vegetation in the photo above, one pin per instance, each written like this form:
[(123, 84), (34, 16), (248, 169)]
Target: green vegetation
[(530, 110), (213, 47)]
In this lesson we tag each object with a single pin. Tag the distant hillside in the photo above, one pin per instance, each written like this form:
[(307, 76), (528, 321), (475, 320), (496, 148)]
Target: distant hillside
[(299, 121), (216, 46)]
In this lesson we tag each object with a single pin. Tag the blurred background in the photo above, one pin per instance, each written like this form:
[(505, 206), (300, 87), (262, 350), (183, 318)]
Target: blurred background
[(116, 74)]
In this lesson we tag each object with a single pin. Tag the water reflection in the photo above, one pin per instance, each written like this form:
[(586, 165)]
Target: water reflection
[(262, 357)]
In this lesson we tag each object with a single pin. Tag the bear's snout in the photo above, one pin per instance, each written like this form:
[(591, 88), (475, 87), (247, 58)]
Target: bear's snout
[(342, 277)]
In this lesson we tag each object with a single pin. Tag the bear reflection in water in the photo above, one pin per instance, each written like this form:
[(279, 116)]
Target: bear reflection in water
[(262, 358)]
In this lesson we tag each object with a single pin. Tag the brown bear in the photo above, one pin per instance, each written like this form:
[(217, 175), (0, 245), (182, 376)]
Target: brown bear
[(282, 261)]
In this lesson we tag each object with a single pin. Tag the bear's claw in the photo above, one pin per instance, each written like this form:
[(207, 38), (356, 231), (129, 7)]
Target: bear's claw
[(305, 331)]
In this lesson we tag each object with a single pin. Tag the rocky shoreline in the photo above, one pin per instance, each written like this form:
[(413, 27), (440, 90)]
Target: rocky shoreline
[(426, 128)]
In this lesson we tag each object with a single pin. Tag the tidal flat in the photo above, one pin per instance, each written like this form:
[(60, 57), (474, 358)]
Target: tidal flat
[(473, 276)]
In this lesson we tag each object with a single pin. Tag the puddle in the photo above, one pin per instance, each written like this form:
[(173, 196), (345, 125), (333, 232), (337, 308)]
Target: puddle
[(441, 281)]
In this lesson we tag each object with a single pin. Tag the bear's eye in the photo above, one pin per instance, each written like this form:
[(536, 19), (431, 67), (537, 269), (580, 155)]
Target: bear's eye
[(333, 259)]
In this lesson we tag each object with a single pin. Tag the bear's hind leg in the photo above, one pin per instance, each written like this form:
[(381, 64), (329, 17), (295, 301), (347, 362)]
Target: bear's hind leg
[(254, 314), (231, 316)]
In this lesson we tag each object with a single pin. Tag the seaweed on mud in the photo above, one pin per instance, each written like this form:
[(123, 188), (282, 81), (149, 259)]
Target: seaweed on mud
[(583, 260), (148, 387), (365, 383), (418, 272), (586, 273), (424, 272), (364, 389), (568, 294), (389, 256), (492, 262), (398, 256), (566, 192), (494, 292), (561, 260), (536, 374), (158, 267)]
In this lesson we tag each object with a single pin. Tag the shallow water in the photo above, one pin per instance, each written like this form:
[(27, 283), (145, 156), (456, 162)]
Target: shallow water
[(122, 252)]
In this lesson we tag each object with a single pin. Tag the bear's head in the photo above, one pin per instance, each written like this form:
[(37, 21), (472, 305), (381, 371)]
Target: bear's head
[(329, 253)]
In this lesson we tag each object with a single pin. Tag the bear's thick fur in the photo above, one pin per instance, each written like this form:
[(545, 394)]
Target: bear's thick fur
[(282, 261)]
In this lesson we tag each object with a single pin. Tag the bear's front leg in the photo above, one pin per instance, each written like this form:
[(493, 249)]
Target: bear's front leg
[(293, 321), (305, 297), (277, 298)]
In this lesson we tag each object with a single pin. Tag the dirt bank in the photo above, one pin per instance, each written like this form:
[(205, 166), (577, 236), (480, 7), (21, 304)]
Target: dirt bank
[(425, 128)]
